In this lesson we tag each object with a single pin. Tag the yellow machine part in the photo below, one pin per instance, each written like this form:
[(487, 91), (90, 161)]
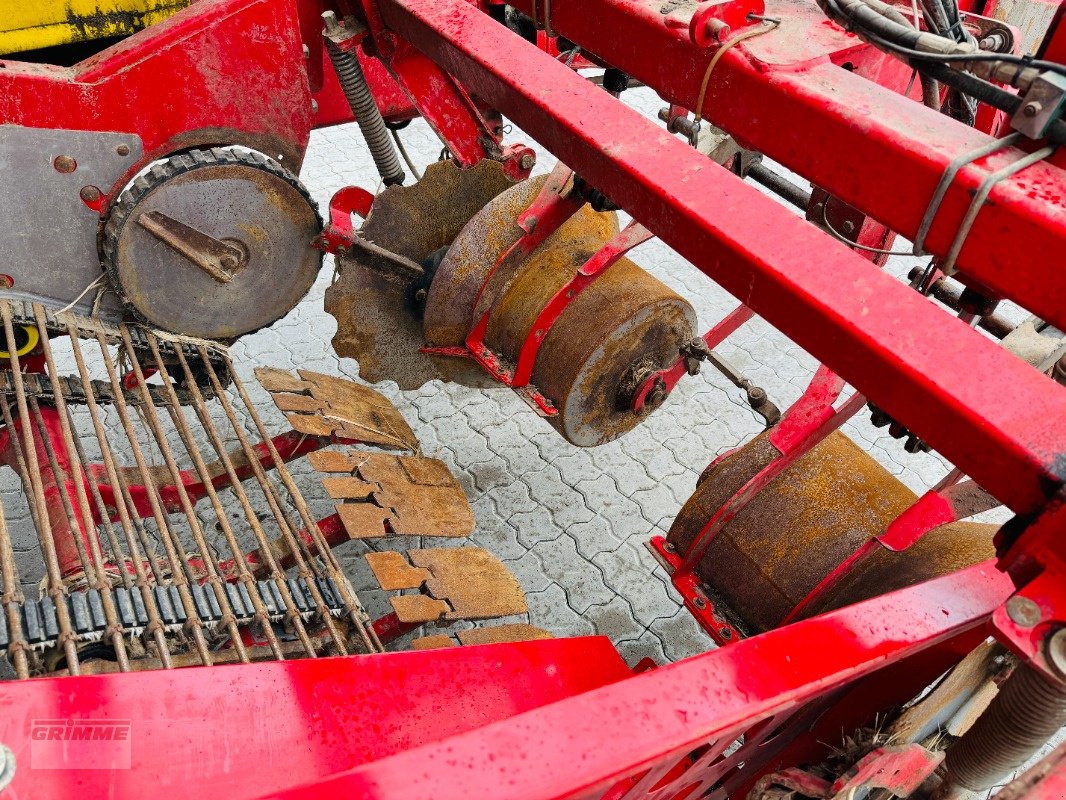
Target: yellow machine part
[(33, 25)]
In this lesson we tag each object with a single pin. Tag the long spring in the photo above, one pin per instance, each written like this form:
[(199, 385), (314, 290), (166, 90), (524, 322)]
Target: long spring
[(1028, 710), (357, 92)]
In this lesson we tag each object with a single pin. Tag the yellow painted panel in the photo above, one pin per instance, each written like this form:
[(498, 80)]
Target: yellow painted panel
[(31, 25)]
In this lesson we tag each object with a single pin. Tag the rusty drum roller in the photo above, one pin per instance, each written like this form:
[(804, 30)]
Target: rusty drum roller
[(623, 326), (806, 522)]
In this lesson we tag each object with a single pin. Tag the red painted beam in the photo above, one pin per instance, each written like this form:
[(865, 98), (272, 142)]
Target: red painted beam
[(782, 95), (579, 747), (984, 409), (238, 731)]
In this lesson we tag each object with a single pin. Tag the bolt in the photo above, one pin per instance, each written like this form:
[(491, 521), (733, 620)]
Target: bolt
[(1032, 108), (656, 396), (65, 164), (669, 547), (528, 161), (420, 296), (699, 602), (1055, 651), (90, 194), (329, 19), (1023, 611), (539, 334), (756, 395), (6, 281), (123, 150), (849, 226)]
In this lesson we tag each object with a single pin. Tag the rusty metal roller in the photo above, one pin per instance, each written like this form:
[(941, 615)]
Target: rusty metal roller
[(624, 324), (803, 524)]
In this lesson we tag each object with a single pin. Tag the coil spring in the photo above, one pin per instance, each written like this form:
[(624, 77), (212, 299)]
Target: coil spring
[(1028, 710), (353, 82)]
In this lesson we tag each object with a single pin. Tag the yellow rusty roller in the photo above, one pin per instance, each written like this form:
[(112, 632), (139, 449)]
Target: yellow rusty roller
[(33, 25), (624, 324), (806, 522)]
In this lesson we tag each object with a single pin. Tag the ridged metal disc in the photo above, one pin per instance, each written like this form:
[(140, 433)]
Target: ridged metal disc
[(243, 199), (375, 326)]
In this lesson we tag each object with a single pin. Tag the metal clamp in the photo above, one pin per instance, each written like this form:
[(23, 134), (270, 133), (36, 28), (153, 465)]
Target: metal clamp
[(947, 266)]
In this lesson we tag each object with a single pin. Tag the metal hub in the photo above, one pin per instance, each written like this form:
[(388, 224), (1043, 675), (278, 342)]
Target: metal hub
[(213, 244)]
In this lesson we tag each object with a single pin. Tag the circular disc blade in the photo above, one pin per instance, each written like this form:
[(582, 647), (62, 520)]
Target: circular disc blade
[(241, 202)]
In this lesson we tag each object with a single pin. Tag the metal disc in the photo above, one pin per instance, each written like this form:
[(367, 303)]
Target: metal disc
[(375, 324), (194, 207), (625, 317), (450, 313)]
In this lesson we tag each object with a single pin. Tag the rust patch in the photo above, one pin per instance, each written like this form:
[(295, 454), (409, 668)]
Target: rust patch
[(375, 322), (498, 634), (805, 523), (393, 573), (474, 582)]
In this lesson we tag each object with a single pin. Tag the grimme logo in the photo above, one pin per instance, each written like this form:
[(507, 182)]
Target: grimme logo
[(80, 744)]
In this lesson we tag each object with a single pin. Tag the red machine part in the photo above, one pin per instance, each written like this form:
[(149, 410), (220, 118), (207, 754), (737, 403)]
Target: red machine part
[(648, 725), (657, 734), (284, 723), (830, 301)]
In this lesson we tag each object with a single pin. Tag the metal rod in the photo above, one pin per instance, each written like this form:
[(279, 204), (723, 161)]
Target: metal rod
[(779, 185), (13, 596), (152, 420), (77, 531), (240, 563), (92, 563), (268, 492), (170, 543), (56, 588), (124, 504), (359, 617)]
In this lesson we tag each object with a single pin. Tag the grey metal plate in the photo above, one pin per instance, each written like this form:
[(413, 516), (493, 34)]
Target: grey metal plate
[(47, 234)]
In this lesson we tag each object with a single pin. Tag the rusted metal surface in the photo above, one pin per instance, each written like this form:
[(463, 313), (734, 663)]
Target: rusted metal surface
[(135, 576), (474, 582), (804, 524), (376, 322), (213, 244), (489, 634), (386, 495), (326, 406), (623, 320), (393, 571), (515, 632), (456, 582)]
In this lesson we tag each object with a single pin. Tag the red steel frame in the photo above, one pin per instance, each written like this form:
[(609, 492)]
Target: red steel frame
[(806, 95)]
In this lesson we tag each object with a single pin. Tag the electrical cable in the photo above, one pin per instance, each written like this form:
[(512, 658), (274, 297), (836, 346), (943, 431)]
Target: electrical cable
[(842, 238), (403, 152)]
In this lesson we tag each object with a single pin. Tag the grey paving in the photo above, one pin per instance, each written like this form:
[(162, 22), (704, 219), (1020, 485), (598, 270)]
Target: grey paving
[(570, 523)]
